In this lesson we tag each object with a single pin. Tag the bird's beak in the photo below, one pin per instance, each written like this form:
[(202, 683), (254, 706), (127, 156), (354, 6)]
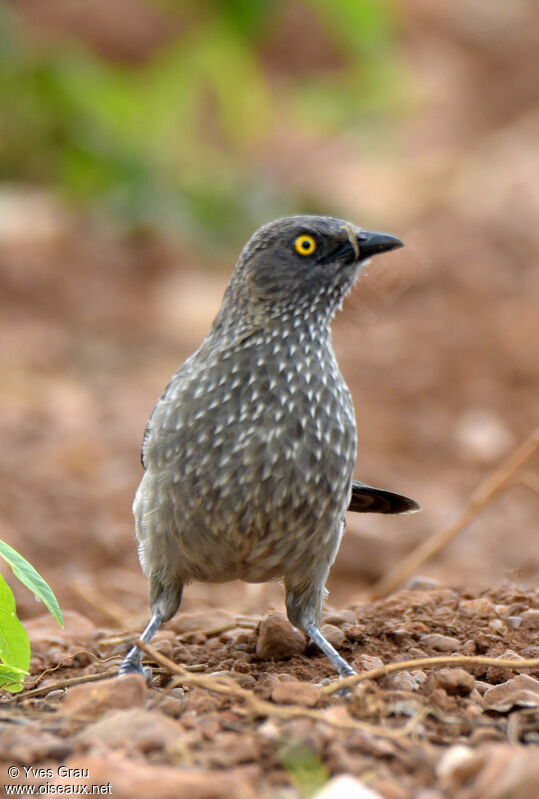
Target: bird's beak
[(373, 243)]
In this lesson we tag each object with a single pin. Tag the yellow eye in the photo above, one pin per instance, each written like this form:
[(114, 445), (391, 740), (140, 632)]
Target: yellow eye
[(305, 245)]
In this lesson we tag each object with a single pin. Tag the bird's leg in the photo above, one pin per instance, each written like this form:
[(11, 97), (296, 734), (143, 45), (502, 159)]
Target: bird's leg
[(304, 609), (343, 668), (165, 598), (132, 662)]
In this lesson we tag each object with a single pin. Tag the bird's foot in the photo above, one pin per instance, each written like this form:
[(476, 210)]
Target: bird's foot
[(132, 664)]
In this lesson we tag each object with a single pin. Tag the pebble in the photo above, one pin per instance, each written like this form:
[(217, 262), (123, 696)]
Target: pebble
[(367, 663), (415, 653), (139, 729), (339, 617), (29, 743), (455, 682), (514, 621), (53, 699), (400, 635), (482, 608), (405, 681), (457, 757), (496, 674), (200, 620), (521, 690), (334, 635), (278, 639), (420, 583), (90, 700), (440, 643), (294, 692), (500, 771), (531, 617), (345, 787)]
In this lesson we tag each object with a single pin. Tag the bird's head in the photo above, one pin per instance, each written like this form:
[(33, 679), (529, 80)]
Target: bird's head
[(304, 257), (299, 264)]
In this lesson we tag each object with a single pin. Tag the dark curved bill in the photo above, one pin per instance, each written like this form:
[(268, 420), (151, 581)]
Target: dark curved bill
[(374, 243)]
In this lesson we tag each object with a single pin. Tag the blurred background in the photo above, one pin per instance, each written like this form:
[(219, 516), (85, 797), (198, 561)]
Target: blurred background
[(140, 145)]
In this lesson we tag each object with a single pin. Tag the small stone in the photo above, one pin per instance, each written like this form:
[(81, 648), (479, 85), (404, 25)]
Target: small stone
[(415, 653), (522, 691), (145, 730), (200, 621), (455, 682), (230, 749), (496, 674), (367, 663), (338, 617), (53, 699), (482, 608), (390, 789), (481, 687), (405, 681), (278, 639), (90, 700), (514, 621), (482, 434), (457, 758), (173, 704), (531, 617), (400, 635), (504, 771), (334, 635), (294, 692), (345, 787), (199, 701), (419, 583), (265, 684), (29, 743), (440, 643)]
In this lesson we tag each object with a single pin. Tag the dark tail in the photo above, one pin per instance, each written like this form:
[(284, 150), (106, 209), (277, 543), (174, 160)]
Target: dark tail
[(366, 499)]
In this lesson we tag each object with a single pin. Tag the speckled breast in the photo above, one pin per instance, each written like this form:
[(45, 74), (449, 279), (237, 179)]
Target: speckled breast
[(251, 453)]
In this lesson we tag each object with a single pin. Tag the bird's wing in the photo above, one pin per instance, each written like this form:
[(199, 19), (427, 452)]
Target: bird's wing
[(366, 499)]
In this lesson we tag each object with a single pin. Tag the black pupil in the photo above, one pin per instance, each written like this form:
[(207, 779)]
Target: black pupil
[(306, 244)]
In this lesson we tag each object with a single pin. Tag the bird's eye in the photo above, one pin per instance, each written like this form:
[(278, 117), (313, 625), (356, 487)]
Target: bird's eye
[(305, 245)]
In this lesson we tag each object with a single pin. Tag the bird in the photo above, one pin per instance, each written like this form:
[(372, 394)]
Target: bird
[(249, 453)]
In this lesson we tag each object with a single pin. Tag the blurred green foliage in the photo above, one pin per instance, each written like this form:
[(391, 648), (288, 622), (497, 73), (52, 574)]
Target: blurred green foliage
[(175, 141), (306, 771)]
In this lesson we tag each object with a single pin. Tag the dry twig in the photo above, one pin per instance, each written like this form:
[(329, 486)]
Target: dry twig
[(496, 482), (260, 707), (422, 663)]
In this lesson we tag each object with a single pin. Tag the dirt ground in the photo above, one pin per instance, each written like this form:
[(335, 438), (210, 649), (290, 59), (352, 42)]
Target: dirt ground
[(439, 346)]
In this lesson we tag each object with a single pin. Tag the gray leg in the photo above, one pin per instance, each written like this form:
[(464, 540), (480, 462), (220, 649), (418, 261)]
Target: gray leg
[(343, 668), (304, 609), (165, 600), (132, 663)]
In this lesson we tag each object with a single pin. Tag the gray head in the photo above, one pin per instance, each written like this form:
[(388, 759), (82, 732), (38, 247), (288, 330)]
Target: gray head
[(304, 262)]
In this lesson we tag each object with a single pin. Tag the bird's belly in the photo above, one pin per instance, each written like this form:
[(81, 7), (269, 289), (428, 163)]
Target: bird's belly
[(247, 478), (255, 525)]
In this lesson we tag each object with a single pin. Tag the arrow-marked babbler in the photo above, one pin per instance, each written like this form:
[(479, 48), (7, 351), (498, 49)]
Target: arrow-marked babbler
[(249, 453)]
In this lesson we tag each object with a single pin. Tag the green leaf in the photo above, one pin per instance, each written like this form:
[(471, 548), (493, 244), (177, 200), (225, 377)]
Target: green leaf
[(305, 769), (31, 579), (11, 678), (14, 643)]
